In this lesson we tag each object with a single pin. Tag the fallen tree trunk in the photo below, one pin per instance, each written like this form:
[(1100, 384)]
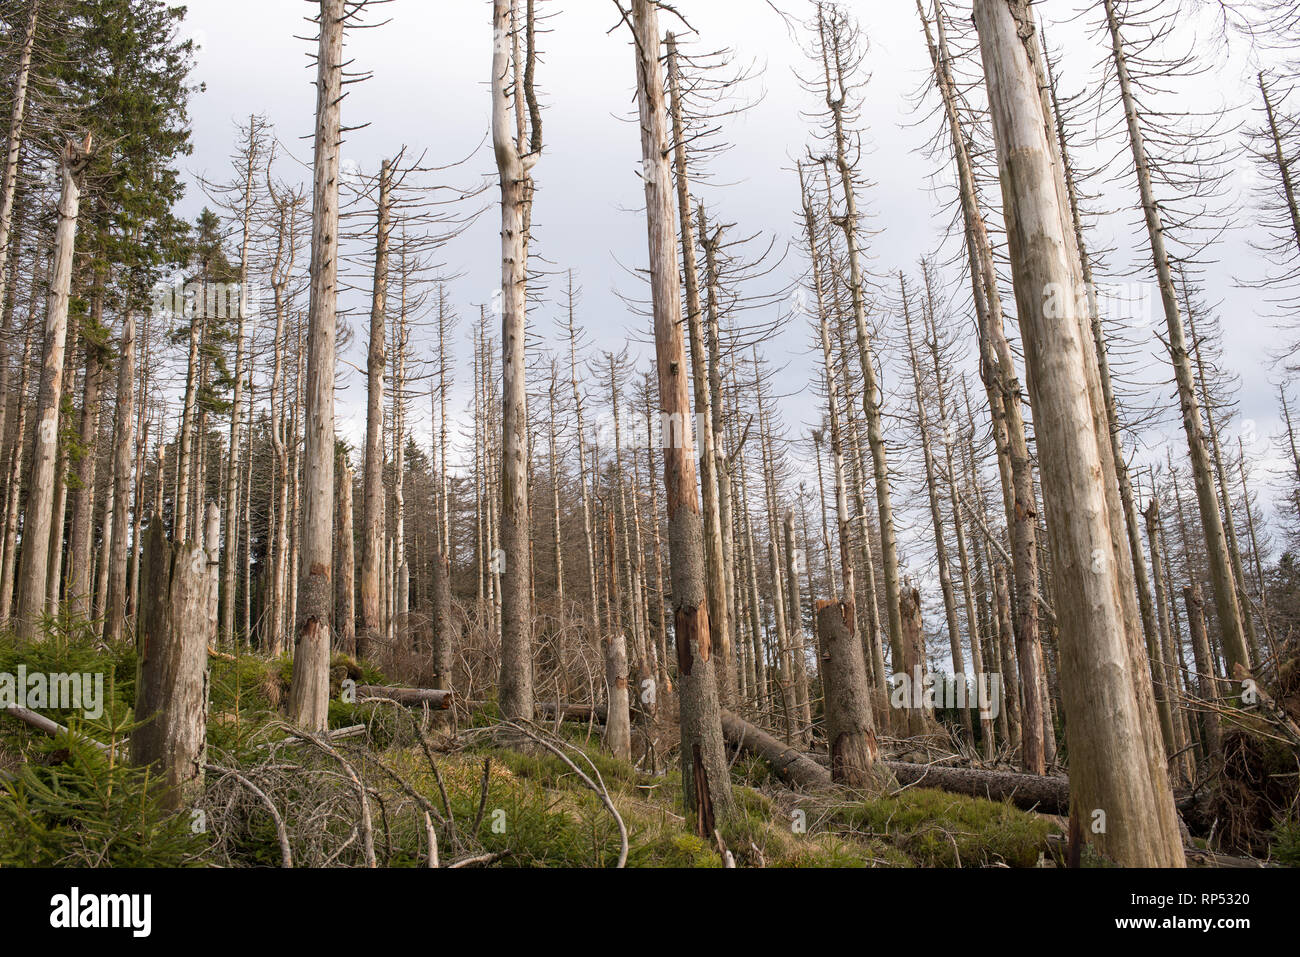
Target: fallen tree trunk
[(570, 712), (46, 725), (789, 764), (1030, 792), (434, 698), (1027, 791)]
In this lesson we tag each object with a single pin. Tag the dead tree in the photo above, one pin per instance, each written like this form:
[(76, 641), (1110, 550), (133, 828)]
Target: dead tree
[(1120, 792), (705, 781), (1225, 593), (840, 59), (345, 624), (172, 672), (516, 157), (37, 522), (936, 512), (372, 469), (309, 689)]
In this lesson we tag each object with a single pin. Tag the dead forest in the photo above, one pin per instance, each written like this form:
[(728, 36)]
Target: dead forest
[(806, 554)]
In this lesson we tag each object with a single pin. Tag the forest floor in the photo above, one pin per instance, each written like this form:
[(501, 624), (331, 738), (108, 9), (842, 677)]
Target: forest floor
[(406, 787)]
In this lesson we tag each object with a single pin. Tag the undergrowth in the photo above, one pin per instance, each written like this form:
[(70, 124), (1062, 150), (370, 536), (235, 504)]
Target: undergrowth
[(66, 802)]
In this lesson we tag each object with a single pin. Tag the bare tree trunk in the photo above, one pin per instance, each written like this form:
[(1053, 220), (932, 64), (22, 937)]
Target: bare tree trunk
[(172, 674), (37, 522), (871, 393), (372, 523), (1117, 763), (705, 781), (1006, 642), (14, 468), (1207, 685), (936, 513), (83, 493), (17, 119), (123, 438), (309, 691), (850, 732), (1225, 493), (618, 723), (1225, 595), (798, 644), (233, 473), (714, 559), (1002, 387), (915, 665), (582, 459), (345, 605), (514, 172), (1167, 638), (665, 679), (1150, 632)]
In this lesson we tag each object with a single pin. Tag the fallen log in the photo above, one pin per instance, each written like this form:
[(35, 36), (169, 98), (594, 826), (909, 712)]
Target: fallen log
[(1027, 791), (789, 764), (47, 726), (1030, 792), (1047, 795), (434, 698), (570, 712)]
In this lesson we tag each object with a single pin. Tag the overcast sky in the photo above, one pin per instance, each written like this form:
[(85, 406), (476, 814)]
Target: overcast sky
[(429, 92)]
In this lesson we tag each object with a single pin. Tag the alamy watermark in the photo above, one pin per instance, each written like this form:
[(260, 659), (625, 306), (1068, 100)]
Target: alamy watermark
[(38, 690), (938, 691)]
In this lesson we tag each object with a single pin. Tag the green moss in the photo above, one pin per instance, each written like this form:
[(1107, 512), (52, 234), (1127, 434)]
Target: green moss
[(938, 829)]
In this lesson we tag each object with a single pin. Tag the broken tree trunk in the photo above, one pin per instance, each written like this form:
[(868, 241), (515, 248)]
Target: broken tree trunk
[(437, 698), (850, 731), (172, 673)]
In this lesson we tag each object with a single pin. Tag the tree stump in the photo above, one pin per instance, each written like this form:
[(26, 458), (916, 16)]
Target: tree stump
[(172, 670), (850, 730)]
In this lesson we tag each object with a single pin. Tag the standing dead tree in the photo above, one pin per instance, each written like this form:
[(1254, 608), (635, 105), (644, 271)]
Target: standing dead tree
[(705, 782), (517, 151), (1121, 800), (34, 562)]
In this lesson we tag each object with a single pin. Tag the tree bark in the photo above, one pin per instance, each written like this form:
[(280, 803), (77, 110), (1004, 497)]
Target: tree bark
[(1120, 791), (705, 781), (850, 730), (172, 674), (309, 690), (515, 179), (37, 522)]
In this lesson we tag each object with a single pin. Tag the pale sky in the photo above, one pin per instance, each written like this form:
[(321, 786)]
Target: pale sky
[(429, 92)]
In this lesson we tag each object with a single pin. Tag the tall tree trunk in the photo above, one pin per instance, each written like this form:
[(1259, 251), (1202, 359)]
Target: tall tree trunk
[(17, 120), (37, 522), (123, 439), (1225, 595), (309, 690), (936, 511), (871, 392), (514, 173), (1120, 791), (83, 493), (714, 558), (705, 781), (345, 605), (372, 523)]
